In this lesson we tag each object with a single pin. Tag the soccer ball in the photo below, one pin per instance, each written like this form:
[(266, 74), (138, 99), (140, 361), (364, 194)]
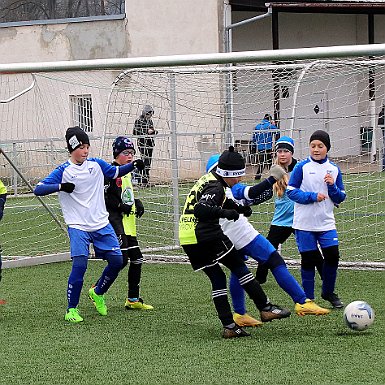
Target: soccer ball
[(358, 315)]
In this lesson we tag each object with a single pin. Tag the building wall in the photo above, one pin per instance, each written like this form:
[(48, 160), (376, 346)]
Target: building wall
[(169, 27), (172, 27), (151, 28)]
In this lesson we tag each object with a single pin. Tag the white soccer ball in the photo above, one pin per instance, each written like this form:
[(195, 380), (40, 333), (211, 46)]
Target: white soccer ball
[(358, 315)]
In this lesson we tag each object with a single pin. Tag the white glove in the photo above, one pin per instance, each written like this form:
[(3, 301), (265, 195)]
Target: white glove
[(277, 172)]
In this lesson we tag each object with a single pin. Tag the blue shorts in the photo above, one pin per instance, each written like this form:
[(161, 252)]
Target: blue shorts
[(309, 240), (259, 249), (105, 242)]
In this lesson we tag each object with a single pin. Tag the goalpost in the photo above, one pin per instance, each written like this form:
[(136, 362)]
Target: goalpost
[(202, 103)]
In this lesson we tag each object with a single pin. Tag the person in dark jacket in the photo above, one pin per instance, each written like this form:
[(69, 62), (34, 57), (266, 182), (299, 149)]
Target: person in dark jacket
[(145, 132)]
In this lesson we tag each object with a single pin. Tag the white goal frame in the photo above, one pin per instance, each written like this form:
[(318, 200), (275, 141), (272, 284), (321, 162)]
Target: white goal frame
[(182, 61)]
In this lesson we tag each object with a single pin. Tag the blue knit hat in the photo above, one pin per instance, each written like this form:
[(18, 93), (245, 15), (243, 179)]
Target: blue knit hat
[(212, 162), (285, 142), (120, 144)]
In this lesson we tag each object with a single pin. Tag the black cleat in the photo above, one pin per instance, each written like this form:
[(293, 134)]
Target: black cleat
[(235, 332), (333, 299), (272, 312)]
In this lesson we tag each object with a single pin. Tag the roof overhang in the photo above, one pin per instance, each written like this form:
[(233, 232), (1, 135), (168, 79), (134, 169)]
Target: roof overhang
[(321, 6)]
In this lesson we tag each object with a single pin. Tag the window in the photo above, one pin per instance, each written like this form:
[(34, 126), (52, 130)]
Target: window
[(27, 10), (81, 108)]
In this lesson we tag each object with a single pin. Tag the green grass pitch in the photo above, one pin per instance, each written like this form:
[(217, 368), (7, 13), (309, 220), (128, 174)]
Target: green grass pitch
[(179, 342)]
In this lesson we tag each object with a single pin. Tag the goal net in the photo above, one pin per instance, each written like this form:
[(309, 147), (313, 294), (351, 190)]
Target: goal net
[(198, 111)]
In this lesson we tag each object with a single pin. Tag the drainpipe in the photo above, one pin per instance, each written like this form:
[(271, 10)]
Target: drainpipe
[(228, 28), (229, 126)]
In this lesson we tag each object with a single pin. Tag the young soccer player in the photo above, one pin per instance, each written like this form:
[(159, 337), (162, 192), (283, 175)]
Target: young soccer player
[(80, 186), (282, 223), (3, 198), (206, 245), (249, 242), (123, 209), (316, 187)]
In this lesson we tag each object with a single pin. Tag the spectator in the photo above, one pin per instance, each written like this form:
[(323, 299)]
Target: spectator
[(144, 130), (264, 135)]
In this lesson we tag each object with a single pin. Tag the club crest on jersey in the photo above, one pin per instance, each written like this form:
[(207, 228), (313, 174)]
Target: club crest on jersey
[(90, 170), (128, 196)]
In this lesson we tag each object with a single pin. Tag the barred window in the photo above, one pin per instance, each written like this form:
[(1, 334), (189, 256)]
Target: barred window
[(81, 108)]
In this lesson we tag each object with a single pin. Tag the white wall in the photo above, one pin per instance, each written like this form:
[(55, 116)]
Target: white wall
[(168, 27), (152, 27)]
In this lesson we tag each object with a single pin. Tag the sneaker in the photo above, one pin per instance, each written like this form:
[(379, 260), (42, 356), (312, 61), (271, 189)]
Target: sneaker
[(257, 177), (333, 299), (73, 315), (3, 302), (272, 312), (310, 308), (246, 320), (98, 301), (235, 332), (137, 305)]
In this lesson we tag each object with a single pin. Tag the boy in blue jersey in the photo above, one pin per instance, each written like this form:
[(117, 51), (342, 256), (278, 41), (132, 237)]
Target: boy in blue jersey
[(3, 198), (80, 186), (316, 187)]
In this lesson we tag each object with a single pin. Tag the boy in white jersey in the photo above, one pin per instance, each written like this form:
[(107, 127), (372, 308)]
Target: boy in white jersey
[(316, 187), (80, 186)]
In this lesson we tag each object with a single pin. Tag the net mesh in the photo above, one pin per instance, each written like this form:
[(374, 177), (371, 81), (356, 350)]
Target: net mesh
[(198, 111)]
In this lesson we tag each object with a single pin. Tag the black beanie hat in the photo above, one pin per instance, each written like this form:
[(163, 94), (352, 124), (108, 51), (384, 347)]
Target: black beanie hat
[(322, 136), (231, 164), (76, 137)]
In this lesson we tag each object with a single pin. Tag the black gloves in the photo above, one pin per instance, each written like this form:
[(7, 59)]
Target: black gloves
[(138, 164), (245, 210), (231, 215), (139, 208), (67, 187), (126, 209)]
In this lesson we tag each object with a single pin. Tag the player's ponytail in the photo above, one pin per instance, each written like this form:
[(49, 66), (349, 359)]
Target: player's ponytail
[(280, 186)]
